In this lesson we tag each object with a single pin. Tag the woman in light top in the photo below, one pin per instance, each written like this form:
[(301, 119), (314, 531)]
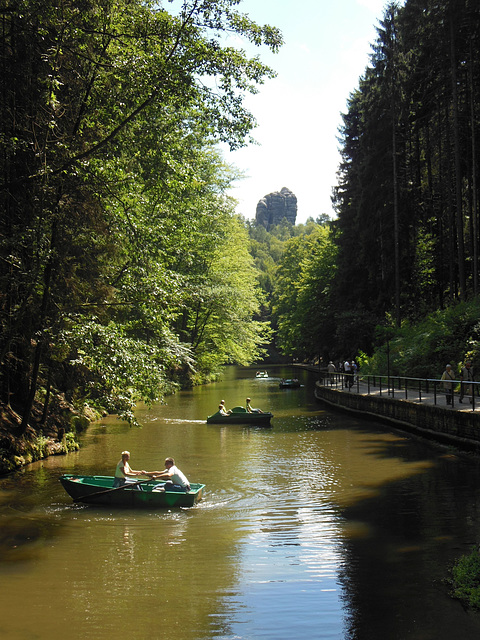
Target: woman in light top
[(124, 471)]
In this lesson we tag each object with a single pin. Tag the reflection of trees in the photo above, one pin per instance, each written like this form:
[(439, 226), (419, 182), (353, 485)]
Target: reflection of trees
[(24, 527), (22, 536), (393, 576)]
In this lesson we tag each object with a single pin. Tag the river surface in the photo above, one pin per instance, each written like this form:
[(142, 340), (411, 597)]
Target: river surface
[(322, 525)]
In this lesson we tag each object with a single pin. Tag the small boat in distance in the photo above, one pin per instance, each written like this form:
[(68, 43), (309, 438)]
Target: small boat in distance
[(289, 383), (148, 494), (240, 415), (261, 374)]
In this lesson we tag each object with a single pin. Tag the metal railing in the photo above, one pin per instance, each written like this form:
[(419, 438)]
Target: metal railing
[(414, 389)]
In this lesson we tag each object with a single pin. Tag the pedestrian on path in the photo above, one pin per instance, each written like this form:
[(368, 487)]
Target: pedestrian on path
[(466, 376), (353, 369), (331, 372), (448, 386), (347, 369)]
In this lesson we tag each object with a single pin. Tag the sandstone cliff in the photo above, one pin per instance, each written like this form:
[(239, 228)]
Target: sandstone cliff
[(272, 208)]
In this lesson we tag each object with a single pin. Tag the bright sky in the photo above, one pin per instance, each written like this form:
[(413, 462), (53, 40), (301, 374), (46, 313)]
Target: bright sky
[(326, 50)]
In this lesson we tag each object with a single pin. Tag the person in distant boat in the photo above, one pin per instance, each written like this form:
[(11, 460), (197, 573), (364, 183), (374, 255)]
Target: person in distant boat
[(175, 480), (223, 410), (123, 471), (249, 409)]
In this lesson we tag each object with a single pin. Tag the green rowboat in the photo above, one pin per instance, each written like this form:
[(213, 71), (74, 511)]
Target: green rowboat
[(99, 490)]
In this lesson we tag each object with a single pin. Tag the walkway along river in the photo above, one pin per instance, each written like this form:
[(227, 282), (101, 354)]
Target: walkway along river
[(419, 410), (323, 525)]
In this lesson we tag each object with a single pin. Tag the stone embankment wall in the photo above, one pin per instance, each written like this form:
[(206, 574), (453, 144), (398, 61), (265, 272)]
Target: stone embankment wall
[(442, 424)]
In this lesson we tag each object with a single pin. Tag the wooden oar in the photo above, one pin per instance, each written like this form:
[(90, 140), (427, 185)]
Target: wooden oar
[(101, 493)]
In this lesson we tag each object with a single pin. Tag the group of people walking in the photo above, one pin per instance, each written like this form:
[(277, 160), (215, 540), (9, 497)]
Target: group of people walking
[(450, 379), (348, 367)]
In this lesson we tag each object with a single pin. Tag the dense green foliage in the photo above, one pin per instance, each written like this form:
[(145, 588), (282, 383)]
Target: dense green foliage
[(296, 265), (301, 294), (465, 582), (422, 349), (407, 199), (122, 264)]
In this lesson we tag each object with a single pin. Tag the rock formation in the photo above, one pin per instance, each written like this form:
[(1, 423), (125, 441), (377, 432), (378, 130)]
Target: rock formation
[(272, 208)]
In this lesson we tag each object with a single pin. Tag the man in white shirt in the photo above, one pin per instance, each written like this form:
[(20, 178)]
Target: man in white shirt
[(175, 480)]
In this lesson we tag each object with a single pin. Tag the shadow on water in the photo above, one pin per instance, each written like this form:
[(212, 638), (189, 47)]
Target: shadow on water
[(25, 528), (22, 538), (403, 536)]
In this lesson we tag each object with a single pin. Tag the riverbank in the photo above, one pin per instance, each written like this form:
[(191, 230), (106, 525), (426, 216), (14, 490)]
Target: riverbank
[(56, 435)]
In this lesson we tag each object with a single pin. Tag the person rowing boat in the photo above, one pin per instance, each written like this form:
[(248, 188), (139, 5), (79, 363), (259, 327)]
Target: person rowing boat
[(175, 480)]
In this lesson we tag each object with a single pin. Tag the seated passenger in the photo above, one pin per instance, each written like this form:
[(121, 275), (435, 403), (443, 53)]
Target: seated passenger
[(249, 407), (124, 473), (222, 409)]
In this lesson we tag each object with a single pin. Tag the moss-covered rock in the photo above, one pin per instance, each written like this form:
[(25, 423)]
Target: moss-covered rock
[(58, 435)]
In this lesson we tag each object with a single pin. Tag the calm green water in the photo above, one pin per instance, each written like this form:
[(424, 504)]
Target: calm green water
[(321, 526)]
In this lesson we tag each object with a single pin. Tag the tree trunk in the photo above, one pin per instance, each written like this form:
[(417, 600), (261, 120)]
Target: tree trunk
[(474, 177), (27, 412), (458, 176)]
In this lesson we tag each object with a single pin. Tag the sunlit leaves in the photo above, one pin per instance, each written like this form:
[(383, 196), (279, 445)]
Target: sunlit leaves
[(222, 296), (301, 300), (113, 193)]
